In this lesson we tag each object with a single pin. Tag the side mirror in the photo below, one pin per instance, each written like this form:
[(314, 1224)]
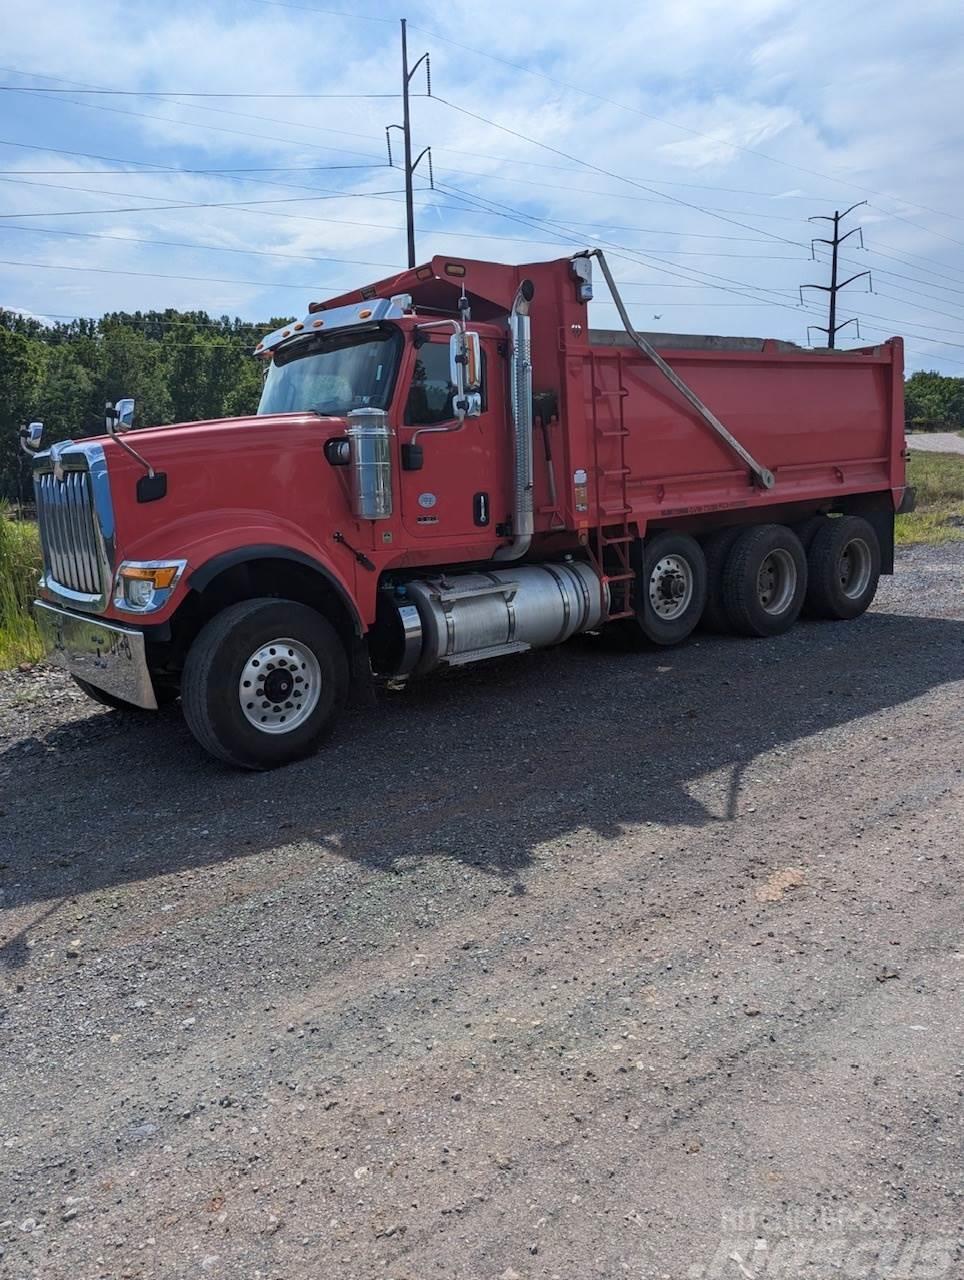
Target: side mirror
[(30, 437), (125, 413), (465, 365), (119, 416)]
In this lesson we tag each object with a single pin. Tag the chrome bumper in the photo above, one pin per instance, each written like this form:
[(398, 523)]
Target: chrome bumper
[(108, 656)]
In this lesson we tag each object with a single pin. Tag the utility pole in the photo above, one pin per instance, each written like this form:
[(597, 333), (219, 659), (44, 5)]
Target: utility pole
[(834, 287), (406, 128)]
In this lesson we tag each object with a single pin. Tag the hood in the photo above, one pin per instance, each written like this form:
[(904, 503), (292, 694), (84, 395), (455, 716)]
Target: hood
[(228, 472)]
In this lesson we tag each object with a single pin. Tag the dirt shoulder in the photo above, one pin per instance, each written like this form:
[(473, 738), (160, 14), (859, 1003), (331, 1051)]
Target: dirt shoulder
[(588, 964)]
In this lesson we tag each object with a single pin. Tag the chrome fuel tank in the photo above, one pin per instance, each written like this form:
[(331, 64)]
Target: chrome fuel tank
[(461, 618)]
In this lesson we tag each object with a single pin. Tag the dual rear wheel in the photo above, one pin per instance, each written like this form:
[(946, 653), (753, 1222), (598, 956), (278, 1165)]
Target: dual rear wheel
[(757, 580)]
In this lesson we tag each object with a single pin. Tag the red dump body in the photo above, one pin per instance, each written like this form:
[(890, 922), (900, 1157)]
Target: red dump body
[(826, 423)]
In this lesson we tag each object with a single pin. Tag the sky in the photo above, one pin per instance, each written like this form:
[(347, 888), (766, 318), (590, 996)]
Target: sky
[(692, 141)]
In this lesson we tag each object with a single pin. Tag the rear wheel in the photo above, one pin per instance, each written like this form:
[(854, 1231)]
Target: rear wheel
[(263, 682), (716, 550), (764, 581), (671, 590), (808, 529), (844, 562)]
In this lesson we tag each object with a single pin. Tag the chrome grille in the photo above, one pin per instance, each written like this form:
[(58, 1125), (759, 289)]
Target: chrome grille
[(71, 543)]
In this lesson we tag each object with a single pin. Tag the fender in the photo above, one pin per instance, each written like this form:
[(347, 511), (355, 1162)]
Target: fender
[(207, 572)]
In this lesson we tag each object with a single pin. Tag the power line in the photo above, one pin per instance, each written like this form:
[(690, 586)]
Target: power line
[(607, 172), (528, 220), (587, 164), (352, 195), (195, 124), (165, 275), (187, 204), (187, 93), (127, 195), (349, 133), (784, 305), (919, 225), (662, 197), (635, 256), (330, 13), (199, 244), (170, 168), (685, 128)]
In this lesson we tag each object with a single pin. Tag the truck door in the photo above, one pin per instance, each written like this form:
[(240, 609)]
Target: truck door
[(463, 487)]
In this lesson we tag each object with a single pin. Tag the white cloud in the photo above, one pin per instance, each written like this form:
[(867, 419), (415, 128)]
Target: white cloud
[(871, 99)]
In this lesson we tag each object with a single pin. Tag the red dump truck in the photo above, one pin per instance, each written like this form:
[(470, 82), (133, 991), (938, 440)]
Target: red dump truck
[(449, 466)]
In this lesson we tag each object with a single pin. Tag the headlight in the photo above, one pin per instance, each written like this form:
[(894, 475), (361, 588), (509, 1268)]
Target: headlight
[(146, 585)]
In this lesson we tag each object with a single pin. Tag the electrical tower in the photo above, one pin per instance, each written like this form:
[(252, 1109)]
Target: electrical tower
[(833, 288), (406, 130)]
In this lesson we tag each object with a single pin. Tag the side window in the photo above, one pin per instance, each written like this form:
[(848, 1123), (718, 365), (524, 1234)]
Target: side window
[(431, 392)]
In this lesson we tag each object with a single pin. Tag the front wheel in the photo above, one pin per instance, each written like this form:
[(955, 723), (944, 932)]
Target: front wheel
[(263, 683), (671, 588)]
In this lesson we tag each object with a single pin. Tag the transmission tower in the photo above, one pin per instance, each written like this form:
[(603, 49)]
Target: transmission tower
[(832, 328)]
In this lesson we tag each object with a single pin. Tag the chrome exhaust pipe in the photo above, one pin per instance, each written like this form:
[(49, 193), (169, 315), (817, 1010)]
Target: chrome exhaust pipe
[(520, 379)]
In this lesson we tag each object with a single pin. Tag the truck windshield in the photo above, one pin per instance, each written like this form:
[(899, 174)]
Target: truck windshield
[(333, 374)]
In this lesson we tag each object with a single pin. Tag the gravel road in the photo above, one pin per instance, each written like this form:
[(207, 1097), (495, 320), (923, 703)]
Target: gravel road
[(936, 441), (585, 964)]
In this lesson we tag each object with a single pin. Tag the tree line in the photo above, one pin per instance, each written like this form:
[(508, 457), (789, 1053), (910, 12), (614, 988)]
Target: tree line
[(934, 402), (179, 366), (187, 365)]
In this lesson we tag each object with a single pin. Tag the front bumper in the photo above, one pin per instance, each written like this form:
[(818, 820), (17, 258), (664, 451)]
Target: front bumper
[(106, 655)]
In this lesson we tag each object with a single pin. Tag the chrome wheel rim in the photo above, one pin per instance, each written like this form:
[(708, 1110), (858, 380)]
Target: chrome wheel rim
[(854, 568), (776, 581), (280, 686), (670, 587)]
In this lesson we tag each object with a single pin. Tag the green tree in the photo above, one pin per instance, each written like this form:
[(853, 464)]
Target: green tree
[(130, 364), (933, 401), (65, 400), (22, 361), (179, 366)]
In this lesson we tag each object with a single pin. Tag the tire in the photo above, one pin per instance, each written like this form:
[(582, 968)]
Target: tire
[(808, 529), (764, 581), (716, 550), (236, 651), (163, 694), (671, 590), (844, 564)]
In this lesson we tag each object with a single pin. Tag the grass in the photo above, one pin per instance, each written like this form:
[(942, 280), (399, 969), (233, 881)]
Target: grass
[(19, 571), (938, 479)]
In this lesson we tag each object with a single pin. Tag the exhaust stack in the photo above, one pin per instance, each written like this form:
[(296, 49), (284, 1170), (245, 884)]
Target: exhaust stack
[(521, 397)]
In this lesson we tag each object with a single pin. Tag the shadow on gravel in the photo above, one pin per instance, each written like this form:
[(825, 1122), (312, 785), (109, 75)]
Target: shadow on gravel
[(482, 767)]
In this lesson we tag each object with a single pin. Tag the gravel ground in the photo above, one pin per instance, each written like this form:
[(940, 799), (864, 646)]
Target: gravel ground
[(585, 964), (936, 441)]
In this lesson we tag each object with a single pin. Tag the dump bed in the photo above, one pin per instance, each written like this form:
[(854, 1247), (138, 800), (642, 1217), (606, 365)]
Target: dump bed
[(826, 423)]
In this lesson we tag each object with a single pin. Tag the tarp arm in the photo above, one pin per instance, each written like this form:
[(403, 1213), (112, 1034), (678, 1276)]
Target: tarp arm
[(761, 475)]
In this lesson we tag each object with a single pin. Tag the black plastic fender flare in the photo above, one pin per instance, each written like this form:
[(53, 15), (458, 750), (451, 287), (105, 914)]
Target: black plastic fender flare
[(205, 574)]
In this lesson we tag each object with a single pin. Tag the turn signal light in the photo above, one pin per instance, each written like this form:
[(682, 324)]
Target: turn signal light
[(161, 576)]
